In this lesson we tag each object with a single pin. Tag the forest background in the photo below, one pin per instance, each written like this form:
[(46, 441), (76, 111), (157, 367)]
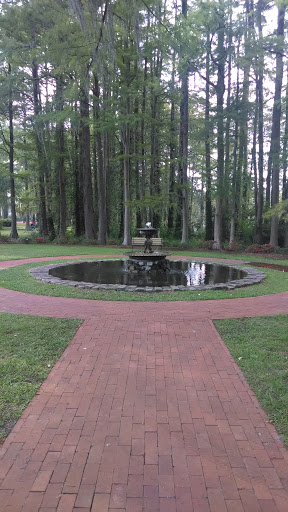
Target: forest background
[(116, 112)]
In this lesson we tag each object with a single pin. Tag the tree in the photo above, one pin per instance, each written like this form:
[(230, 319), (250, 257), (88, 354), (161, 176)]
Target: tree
[(260, 109), (220, 89), (183, 141), (276, 121)]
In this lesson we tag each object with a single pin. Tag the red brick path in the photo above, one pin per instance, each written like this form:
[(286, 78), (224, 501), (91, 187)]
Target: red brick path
[(145, 411)]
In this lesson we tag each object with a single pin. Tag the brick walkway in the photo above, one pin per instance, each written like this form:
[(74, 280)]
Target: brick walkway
[(145, 411)]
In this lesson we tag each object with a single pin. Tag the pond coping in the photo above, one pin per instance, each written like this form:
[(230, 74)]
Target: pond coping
[(253, 276)]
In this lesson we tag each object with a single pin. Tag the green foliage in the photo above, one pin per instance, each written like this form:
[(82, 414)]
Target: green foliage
[(138, 55), (5, 223), (4, 238), (280, 210), (153, 201)]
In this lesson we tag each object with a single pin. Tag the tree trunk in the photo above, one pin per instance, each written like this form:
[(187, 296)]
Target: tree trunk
[(227, 167), (85, 163), (208, 197), (27, 210), (78, 188), (172, 154), (126, 176), (60, 163), (101, 170), (155, 158), (126, 159), (220, 89), (142, 139), (259, 85), (183, 149), (241, 181), (234, 173), (254, 151), (41, 160), (13, 233), (137, 152), (276, 121), (285, 165)]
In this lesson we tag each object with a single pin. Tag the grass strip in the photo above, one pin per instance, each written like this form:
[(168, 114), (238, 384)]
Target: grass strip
[(20, 251), (12, 251), (18, 279), (260, 348), (29, 348)]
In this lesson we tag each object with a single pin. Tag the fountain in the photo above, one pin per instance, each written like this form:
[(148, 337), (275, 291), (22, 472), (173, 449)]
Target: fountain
[(147, 260)]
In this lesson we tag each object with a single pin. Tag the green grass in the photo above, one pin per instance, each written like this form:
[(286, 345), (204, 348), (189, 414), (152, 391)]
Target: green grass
[(18, 278), (22, 233), (16, 251), (19, 251), (29, 347), (260, 348)]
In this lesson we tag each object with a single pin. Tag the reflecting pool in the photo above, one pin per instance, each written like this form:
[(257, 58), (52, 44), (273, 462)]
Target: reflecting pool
[(117, 272)]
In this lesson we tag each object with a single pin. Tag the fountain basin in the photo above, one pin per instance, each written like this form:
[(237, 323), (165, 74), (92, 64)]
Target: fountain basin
[(182, 275)]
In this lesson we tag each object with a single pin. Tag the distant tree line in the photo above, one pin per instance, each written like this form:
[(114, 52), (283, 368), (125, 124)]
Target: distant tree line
[(116, 112)]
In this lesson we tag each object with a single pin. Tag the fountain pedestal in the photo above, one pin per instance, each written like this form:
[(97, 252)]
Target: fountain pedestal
[(143, 262)]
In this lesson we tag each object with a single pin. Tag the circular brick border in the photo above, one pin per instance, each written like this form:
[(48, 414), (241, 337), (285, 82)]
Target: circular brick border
[(253, 276)]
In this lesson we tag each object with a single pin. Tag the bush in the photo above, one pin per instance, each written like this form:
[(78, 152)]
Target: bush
[(5, 223), (114, 241), (4, 238), (281, 250), (29, 237), (207, 245), (233, 247), (258, 248)]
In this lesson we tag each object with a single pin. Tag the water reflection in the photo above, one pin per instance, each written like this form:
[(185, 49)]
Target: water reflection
[(185, 273)]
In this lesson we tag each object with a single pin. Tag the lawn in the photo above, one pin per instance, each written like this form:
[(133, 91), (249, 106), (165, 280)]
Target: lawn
[(17, 251), (260, 347), (29, 348)]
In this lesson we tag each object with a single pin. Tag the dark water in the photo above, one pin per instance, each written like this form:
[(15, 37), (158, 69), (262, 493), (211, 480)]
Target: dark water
[(116, 272)]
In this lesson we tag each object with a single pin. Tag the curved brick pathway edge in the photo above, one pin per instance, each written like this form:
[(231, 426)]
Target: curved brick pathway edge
[(145, 411)]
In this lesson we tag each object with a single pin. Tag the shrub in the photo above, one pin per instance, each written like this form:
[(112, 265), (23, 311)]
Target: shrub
[(208, 245), (114, 241), (4, 238), (233, 247), (5, 223), (258, 248), (281, 250)]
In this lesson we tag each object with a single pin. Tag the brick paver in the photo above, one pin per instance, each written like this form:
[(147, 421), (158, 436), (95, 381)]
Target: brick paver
[(145, 411)]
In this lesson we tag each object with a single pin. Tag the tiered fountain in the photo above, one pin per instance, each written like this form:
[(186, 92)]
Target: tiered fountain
[(148, 260)]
